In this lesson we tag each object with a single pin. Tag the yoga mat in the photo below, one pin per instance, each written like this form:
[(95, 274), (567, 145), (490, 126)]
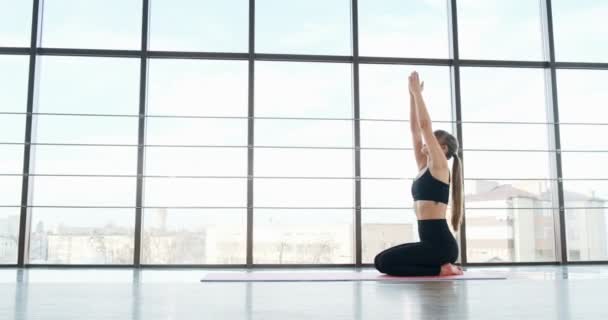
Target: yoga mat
[(335, 276)]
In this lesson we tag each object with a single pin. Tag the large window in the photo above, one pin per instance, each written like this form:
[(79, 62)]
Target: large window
[(279, 133)]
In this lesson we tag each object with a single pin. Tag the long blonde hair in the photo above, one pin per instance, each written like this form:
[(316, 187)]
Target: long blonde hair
[(451, 142)]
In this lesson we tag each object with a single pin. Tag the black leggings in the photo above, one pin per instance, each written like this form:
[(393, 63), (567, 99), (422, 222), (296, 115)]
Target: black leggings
[(437, 246)]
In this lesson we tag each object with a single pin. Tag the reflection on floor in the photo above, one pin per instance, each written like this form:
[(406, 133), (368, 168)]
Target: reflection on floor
[(574, 292)]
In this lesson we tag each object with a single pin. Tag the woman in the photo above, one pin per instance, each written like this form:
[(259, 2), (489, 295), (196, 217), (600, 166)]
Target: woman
[(437, 250)]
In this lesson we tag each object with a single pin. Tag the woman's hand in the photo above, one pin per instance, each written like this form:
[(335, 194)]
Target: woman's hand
[(415, 85)]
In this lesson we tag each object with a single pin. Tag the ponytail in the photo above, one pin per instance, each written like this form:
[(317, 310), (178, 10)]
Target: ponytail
[(457, 196)]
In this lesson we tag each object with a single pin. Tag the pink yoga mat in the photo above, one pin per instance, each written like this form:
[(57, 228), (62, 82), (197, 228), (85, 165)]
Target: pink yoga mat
[(334, 276)]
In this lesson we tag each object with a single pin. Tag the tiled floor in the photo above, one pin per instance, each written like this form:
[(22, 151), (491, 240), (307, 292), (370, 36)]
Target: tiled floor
[(575, 292)]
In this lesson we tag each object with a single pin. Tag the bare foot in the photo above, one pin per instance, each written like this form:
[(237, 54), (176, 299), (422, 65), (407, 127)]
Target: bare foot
[(449, 269)]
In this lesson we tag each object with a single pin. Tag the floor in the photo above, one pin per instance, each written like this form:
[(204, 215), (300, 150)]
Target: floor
[(574, 292)]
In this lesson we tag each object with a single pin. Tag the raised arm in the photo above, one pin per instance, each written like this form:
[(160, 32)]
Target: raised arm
[(436, 154), (421, 159)]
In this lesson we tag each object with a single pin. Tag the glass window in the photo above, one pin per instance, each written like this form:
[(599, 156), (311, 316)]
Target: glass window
[(194, 25), (11, 159), (9, 234), (510, 194), (579, 29), (584, 137), (303, 236), (178, 161), (497, 136), (85, 130), (82, 236), (500, 30), (413, 29), (587, 194), (522, 235), (303, 89), (194, 236), (195, 192), (197, 87), (384, 93), (304, 193), (584, 165), (386, 193), (93, 24), (83, 191), (388, 164), (303, 27), (88, 85), (382, 229), (196, 132), (13, 128), (15, 23), (13, 78), (392, 134), (582, 96), (503, 95), (304, 133), (507, 165), (85, 160), (11, 190), (587, 231), (304, 163)]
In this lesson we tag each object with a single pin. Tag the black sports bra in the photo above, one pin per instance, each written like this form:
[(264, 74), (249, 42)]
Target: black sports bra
[(427, 187)]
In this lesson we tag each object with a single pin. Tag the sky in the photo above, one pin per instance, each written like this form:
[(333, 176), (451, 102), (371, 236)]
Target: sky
[(511, 30)]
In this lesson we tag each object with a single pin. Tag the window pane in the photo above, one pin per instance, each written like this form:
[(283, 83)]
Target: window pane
[(587, 232), (386, 193), (13, 128), (524, 164), (582, 96), (9, 234), (580, 30), (92, 24), (488, 94), (15, 23), (581, 165), (303, 193), (86, 130), (506, 136), (176, 192), (303, 236), (88, 85), (83, 191), (391, 134), (188, 25), (11, 159), (197, 132), (303, 89), (197, 88), (588, 194), (382, 229), (176, 161), (388, 164), (304, 163), (85, 160), (584, 137), (82, 236), (384, 93), (500, 30), (199, 236), (11, 190), (414, 29), (304, 133), (13, 79), (510, 194), (303, 27), (510, 235)]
